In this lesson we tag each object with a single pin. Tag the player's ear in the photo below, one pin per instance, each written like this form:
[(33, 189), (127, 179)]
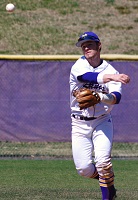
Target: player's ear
[(99, 46)]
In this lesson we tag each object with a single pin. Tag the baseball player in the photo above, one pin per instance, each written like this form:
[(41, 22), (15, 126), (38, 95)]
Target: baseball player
[(95, 86)]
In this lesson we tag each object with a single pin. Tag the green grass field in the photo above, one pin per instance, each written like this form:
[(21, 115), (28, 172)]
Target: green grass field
[(58, 179)]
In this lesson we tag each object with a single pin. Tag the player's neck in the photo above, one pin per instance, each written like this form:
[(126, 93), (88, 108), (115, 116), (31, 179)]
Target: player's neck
[(95, 62)]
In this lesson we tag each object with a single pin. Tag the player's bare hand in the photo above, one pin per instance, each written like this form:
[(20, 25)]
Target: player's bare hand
[(123, 78)]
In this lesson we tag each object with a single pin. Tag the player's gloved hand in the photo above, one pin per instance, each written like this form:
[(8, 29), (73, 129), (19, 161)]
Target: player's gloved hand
[(86, 98)]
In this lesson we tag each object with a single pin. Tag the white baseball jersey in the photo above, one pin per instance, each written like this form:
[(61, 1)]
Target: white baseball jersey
[(81, 67)]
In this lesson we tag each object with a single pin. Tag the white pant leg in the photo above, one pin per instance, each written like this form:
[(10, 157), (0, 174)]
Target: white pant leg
[(82, 147), (102, 139)]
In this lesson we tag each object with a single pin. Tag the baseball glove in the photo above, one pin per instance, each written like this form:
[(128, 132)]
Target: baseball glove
[(86, 98)]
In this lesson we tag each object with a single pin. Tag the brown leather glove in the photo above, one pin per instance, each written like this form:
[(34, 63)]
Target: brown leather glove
[(86, 98)]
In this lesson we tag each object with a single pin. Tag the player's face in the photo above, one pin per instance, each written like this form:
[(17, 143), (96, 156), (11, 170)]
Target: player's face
[(90, 49)]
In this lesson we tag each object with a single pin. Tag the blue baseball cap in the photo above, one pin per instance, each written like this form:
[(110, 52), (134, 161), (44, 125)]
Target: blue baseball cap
[(87, 36)]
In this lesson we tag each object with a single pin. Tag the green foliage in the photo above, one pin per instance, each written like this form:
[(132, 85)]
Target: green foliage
[(110, 1)]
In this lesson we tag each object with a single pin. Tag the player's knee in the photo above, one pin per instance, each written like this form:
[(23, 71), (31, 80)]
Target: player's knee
[(83, 172), (86, 171)]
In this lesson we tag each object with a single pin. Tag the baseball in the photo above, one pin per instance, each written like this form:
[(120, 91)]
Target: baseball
[(10, 7)]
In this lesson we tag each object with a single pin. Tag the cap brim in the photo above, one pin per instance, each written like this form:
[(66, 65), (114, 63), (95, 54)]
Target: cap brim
[(79, 44)]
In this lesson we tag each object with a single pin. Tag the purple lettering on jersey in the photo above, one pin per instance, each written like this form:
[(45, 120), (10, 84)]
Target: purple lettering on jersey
[(94, 86)]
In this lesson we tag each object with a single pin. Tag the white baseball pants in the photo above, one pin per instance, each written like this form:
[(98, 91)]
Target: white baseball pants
[(88, 136)]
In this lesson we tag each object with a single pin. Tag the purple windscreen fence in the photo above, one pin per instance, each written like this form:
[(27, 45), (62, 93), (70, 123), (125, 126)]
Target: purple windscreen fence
[(35, 107)]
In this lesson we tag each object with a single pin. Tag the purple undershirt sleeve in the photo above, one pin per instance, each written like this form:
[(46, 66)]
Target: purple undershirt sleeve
[(118, 97), (88, 77)]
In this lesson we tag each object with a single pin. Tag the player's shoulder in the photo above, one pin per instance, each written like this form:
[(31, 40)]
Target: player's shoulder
[(80, 62), (109, 67)]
